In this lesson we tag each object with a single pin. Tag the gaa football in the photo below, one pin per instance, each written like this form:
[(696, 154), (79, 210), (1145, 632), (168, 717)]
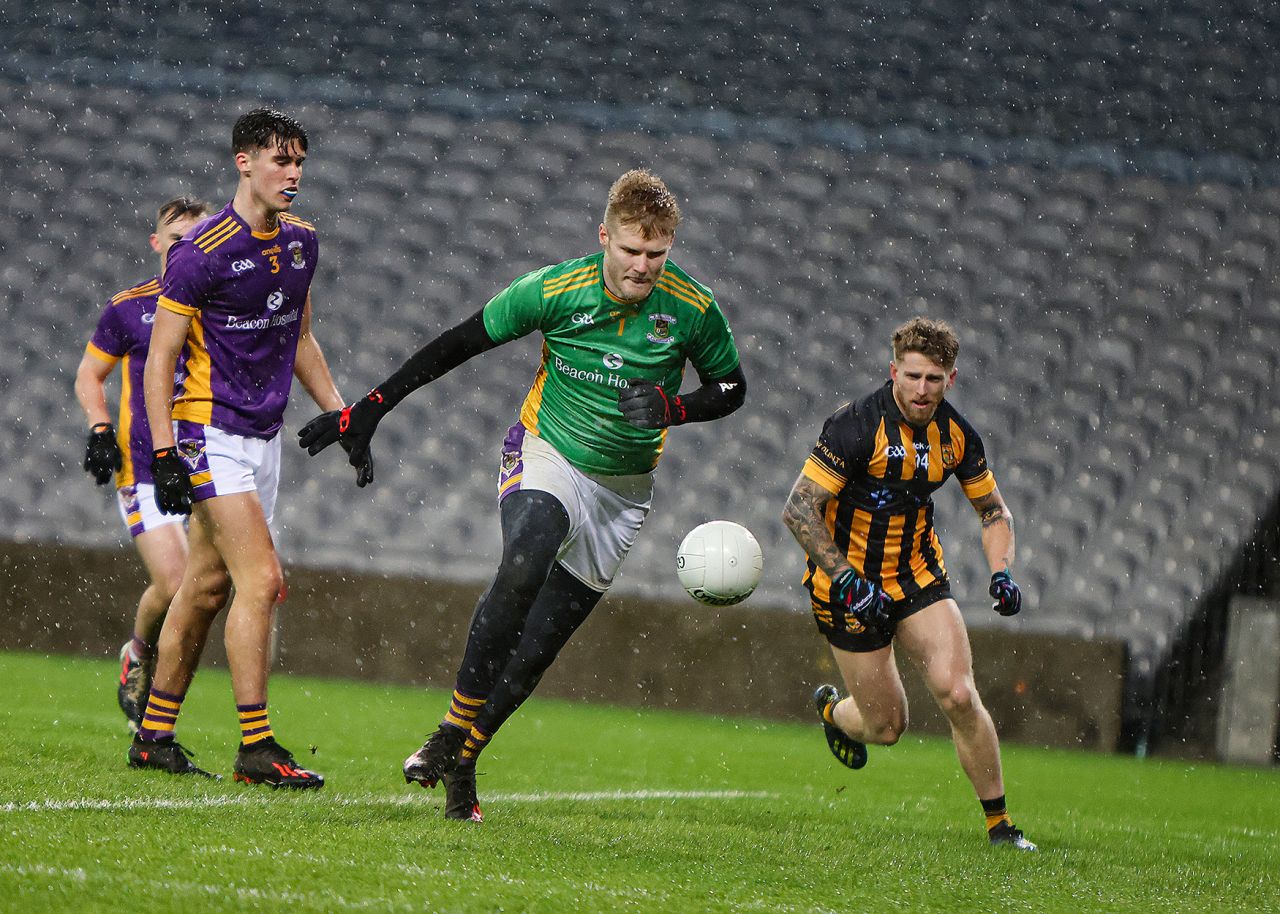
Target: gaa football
[(719, 563)]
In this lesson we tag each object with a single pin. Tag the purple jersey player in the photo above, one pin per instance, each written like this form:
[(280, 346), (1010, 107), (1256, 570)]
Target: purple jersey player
[(236, 295), (122, 338), (250, 290)]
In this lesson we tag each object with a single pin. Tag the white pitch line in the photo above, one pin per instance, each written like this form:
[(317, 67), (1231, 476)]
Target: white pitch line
[(414, 799), (632, 795)]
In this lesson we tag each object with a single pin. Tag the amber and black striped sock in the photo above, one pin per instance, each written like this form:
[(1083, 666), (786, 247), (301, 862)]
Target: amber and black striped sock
[(161, 716), (254, 725), (996, 812), (477, 739), (463, 709)]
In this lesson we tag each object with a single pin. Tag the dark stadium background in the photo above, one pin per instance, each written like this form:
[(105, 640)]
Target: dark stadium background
[(1088, 191)]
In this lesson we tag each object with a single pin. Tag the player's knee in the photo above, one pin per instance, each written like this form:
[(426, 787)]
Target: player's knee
[(521, 574), (891, 731), (959, 700), (267, 582), (887, 730), (210, 590), (167, 584), (883, 735)]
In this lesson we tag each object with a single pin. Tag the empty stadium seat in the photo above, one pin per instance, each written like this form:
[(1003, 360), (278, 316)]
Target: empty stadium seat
[(1115, 327)]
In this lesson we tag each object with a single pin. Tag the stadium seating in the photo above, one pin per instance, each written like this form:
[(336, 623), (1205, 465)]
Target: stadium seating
[(1169, 81), (1118, 327)]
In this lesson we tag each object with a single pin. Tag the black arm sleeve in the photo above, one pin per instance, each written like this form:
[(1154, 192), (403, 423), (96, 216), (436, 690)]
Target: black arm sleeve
[(440, 356), (716, 398)]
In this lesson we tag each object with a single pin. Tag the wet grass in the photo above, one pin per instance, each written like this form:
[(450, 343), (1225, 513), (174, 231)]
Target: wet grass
[(592, 809)]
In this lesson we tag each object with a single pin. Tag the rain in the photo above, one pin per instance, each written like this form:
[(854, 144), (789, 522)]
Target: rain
[(1088, 193)]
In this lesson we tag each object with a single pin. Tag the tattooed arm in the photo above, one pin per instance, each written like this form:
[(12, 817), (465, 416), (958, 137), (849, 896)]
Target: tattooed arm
[(804, 516), (997, 529)]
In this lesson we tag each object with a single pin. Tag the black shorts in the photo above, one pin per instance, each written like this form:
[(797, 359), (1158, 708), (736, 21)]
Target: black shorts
[(847, 633)]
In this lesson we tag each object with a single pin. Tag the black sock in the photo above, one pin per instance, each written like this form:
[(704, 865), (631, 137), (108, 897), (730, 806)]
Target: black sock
[(996, 812)]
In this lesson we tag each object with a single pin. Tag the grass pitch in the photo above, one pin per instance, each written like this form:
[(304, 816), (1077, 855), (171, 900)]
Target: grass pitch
[(592, 809)]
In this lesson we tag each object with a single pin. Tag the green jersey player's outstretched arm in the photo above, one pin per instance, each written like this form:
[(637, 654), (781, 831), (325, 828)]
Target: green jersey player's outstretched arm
[(355, 425)]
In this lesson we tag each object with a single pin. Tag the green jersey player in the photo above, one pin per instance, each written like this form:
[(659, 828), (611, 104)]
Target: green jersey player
[(575, 476)]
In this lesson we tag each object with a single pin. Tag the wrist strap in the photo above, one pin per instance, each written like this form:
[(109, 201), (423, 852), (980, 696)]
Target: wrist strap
[(101, 427), (164, 453)]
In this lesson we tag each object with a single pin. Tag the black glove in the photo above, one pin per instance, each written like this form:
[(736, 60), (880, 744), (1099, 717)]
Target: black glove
[(320, 432), (865, 601), (102, 457), (1007, 595), (173, 485), (353, 426), (646, 405), (364, 471)]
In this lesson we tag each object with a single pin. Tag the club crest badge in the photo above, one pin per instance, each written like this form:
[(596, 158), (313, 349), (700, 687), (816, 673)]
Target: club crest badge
[(129, 498), (509, 461), (295, 249), (661, 330), (192, 452), (949, 459)]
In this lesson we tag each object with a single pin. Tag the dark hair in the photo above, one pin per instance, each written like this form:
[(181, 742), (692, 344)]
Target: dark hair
[(181, 208), (264, 128)]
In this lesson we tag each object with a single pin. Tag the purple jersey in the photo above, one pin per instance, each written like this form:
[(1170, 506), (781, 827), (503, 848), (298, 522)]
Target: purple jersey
[(123, 335), (244, 292)]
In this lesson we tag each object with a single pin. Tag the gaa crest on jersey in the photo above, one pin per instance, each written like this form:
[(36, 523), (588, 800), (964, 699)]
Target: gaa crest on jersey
[(192, 452), (295, 250), (949, 459), (661, 330)]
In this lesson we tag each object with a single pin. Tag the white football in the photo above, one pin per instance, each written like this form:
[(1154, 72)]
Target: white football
[(719, 563)]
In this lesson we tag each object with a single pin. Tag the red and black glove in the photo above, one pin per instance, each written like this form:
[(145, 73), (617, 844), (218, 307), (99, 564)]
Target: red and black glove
[(646, 405), (353, 427), (102, 457)]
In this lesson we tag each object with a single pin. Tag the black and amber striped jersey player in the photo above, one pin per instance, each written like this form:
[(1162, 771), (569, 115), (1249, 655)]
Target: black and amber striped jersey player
[(862, 509), (883, 471)]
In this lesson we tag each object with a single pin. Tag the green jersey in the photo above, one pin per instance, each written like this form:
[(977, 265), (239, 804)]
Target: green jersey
[(593, 344)]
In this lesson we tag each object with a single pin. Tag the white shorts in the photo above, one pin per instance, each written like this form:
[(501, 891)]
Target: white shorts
[(605, 512), (138, 510), (220, 463)]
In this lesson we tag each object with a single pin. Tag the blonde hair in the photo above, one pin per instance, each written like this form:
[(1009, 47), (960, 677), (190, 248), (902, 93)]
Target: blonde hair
[(640, 198), (934, 340)]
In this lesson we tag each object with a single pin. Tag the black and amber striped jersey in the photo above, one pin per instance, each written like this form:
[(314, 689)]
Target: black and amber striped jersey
[(883, 473)]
